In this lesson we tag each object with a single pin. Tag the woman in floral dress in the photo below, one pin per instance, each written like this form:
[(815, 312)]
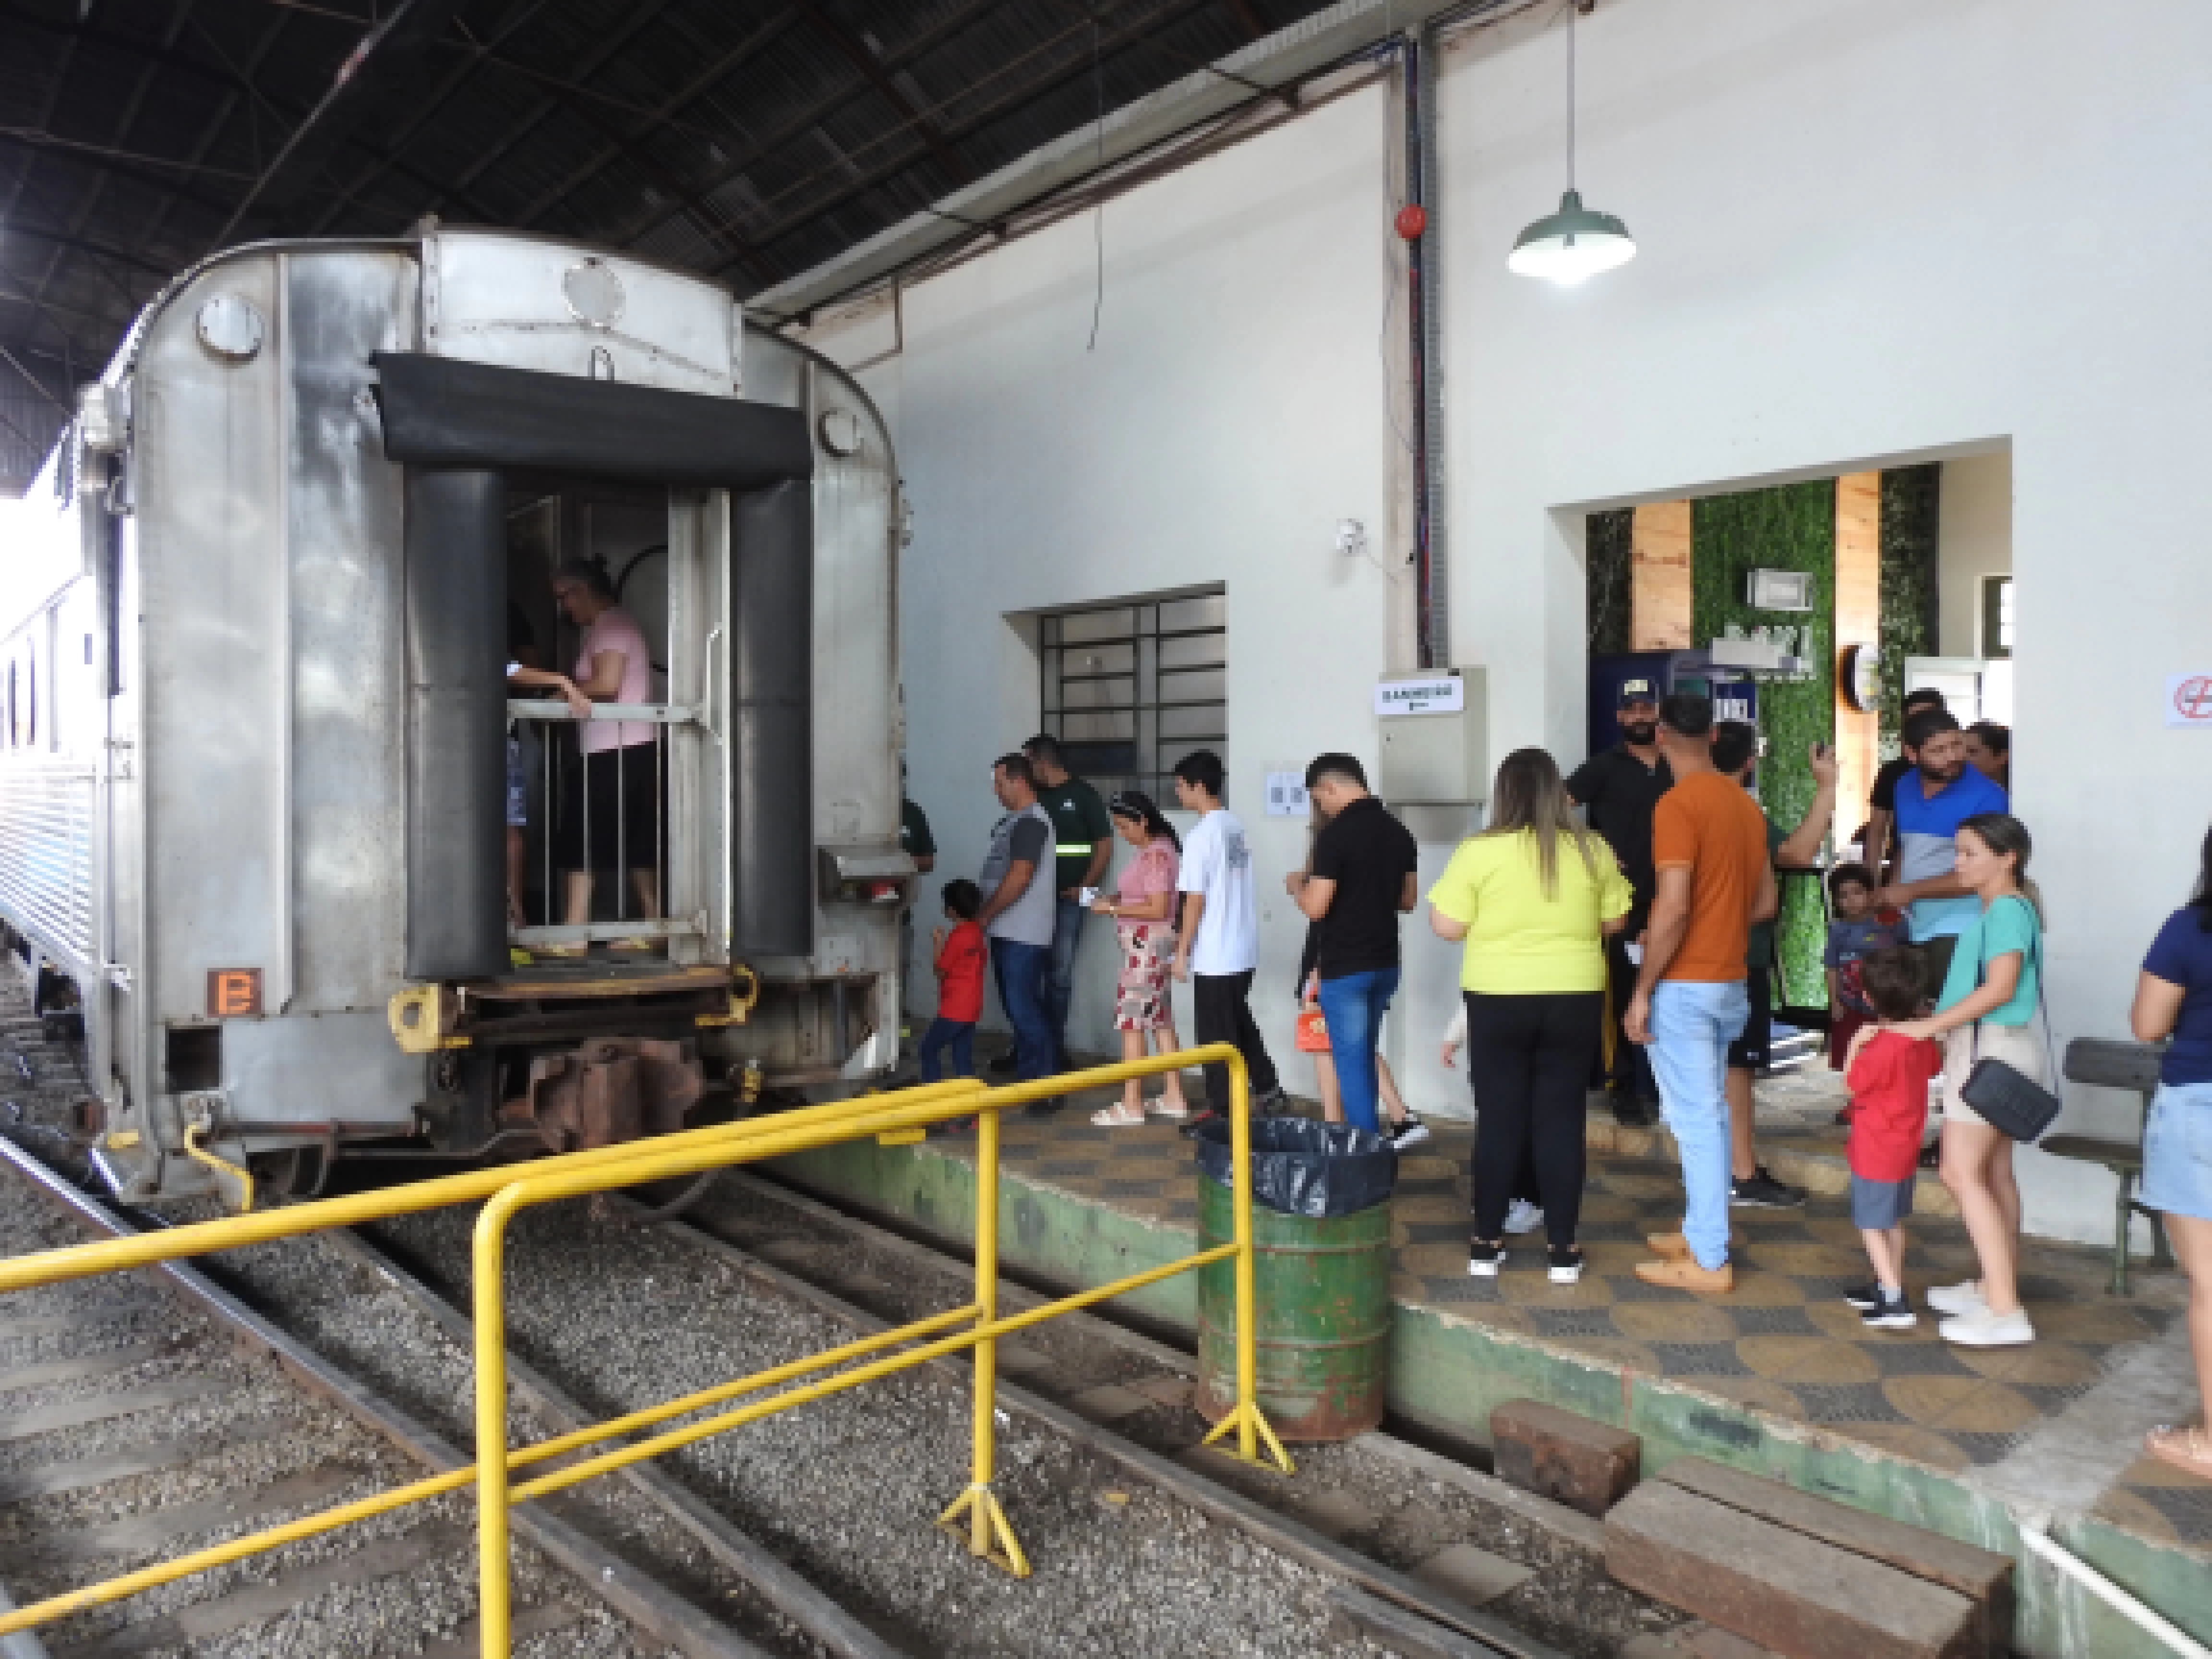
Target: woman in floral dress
[(1143, 906)]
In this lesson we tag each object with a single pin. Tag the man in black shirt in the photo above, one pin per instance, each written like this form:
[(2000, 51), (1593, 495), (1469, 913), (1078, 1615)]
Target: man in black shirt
[(1363, 880), (1617, 791)]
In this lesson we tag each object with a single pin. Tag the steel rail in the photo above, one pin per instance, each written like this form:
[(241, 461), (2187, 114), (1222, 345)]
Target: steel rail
[(634, 1594), (131, 1249), (813, 1610), (991, 1537), (1265, 1526)]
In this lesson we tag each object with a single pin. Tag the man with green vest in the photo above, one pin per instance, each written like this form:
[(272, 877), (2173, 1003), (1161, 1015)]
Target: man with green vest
[(1083, 846)]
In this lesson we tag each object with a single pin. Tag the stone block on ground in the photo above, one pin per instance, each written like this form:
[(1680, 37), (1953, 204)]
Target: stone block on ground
[(1802, 1597), (1983, 1577), (1110, 1402), (1472, 1575), (1168, 1390), (1577, 1461), (1335, 1513)]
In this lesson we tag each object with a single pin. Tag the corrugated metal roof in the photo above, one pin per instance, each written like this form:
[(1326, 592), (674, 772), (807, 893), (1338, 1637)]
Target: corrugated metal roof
[(746, 138)]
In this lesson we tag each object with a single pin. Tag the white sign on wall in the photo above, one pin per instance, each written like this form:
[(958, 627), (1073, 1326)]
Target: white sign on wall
[(2189, 700), (1432, 694), (1286, 795)]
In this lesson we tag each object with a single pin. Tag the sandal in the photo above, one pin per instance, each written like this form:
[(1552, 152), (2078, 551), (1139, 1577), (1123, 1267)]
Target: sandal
[(1118, 1116), (1174, 1110), (2186, 1447)]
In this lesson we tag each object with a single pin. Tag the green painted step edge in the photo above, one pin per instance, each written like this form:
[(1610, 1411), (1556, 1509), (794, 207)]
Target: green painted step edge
[(1449, 1374)]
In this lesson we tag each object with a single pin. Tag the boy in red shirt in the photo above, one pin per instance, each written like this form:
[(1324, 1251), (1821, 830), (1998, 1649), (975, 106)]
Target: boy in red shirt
[(961, 954), (1888, 1076)]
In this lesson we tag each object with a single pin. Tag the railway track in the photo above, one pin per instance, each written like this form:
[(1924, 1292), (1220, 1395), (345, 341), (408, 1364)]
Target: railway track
[(805, 1533), (202, 1438)]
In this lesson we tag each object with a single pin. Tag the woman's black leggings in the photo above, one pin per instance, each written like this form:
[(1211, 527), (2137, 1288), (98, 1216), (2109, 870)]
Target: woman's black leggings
[(1528, 1057)]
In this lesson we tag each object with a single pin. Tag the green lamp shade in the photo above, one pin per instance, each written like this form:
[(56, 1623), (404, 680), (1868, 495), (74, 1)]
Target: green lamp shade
[(1572, 245)]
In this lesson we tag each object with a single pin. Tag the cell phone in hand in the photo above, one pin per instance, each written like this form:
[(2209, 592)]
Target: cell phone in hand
[(1088, 897)]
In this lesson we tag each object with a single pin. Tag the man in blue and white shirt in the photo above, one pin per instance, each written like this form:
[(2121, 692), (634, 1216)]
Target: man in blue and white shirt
[(1940, 793)]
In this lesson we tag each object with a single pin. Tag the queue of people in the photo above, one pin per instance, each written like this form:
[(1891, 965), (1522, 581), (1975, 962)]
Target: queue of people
[(1616, 924)]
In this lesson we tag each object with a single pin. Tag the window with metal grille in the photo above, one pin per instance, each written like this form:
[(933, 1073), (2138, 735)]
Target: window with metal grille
[(1997, 615), (1131, 688)]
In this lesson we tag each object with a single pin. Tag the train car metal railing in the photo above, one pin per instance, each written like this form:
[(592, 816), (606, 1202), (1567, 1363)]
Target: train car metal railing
[(975, 1514), (562, 769)]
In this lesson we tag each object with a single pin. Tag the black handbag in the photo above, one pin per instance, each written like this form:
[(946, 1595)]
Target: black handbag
[(2005, 1097)]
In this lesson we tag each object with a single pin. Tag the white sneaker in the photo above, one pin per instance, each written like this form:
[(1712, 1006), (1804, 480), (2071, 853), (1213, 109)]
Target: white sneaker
[(1984, 1329), (1961, 1300), (1409, 1134), (1523, 1217)]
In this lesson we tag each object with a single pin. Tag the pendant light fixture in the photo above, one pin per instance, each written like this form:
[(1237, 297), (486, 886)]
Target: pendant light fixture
[(1575, 243)]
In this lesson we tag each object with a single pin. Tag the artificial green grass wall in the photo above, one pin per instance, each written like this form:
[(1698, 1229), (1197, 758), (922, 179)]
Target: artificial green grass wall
[(1910, 498), (1792, 528), (1609, 537)]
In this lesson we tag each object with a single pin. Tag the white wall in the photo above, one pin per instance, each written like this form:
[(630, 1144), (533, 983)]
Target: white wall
[(1973, 541), (1231, 414), (1871, 231)]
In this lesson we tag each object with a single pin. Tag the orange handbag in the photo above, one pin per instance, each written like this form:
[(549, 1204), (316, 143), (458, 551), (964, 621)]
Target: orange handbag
[(1312, 1032)]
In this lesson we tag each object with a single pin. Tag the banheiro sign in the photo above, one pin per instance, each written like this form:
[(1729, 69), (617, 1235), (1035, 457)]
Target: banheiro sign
[(1432, 694)]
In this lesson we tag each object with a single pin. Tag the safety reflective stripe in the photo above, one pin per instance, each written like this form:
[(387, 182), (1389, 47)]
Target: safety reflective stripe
[(1074, 848)]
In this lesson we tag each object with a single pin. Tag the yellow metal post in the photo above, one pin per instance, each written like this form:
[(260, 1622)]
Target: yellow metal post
[(1251, 1427), (490, 1310), (987, 1521), (574, 1174)]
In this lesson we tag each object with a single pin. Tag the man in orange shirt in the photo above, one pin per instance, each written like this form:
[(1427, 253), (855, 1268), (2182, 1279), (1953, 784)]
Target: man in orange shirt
[(1708, 847)]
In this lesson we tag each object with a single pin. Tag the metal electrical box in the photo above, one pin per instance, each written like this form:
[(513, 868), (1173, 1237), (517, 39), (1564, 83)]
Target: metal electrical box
[(1435, 738)]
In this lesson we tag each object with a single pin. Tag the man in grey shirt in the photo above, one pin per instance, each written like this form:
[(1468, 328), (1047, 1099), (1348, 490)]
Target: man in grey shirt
[(1019, 913)]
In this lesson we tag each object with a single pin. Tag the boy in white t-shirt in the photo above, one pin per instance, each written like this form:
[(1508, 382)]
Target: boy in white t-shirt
[(1219, 946)]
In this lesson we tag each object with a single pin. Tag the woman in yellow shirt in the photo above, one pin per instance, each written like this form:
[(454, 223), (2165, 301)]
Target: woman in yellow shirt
[(1533, 897)]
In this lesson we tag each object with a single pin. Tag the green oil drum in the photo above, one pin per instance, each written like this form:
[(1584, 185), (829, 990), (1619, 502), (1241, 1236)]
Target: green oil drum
[(1322, 1295)]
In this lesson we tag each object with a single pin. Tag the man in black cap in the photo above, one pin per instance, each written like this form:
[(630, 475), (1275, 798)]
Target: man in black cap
[(1618, 791)]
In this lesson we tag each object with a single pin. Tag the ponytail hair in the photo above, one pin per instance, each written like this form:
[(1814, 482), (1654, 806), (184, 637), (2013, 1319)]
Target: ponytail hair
[(2006, 836), (1136, 806)]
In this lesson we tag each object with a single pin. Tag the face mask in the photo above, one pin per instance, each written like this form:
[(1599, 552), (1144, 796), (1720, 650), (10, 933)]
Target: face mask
[(1641, 733)]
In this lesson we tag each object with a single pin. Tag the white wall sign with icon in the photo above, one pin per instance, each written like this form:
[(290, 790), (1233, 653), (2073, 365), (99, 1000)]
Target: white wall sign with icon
[(1286, 795), (2189, 700)]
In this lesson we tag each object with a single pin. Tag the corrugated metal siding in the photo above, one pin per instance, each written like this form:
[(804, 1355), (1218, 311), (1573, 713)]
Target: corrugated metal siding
[(46, 855)]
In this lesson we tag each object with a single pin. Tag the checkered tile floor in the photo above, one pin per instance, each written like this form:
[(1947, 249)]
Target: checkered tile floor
[(1784, 1343)]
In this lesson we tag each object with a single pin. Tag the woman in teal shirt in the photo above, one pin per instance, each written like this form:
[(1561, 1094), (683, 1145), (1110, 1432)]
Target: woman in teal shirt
[(1987, 1011)]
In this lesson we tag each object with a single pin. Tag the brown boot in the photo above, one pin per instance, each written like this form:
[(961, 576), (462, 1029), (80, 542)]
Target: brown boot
[(1673, 1247), (1683, 1273)]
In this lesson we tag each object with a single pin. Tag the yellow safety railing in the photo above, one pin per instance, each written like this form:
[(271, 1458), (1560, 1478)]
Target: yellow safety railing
[(976, 1515)]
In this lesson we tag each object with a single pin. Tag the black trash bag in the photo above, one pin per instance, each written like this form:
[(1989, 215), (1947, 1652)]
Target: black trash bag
[(1300, 1167)]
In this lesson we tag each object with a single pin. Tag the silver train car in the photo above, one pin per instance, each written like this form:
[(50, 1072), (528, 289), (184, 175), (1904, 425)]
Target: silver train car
[(255, 789)]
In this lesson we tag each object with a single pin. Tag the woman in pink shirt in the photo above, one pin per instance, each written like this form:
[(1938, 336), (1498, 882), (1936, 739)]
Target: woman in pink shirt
[(611, 815), (1143, 902)]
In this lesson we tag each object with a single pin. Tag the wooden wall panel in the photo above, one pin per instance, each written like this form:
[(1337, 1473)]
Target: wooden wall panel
[(1659, 591), (1858, 622)]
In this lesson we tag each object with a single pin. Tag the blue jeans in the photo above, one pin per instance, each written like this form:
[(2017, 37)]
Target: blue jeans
[(1060, 978), (958, 1035), (1352, 1008), (1692, 1022), (1020, 969)]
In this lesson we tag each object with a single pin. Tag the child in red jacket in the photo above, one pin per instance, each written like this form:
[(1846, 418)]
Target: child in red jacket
[(1888, 1076), (961, 954)]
